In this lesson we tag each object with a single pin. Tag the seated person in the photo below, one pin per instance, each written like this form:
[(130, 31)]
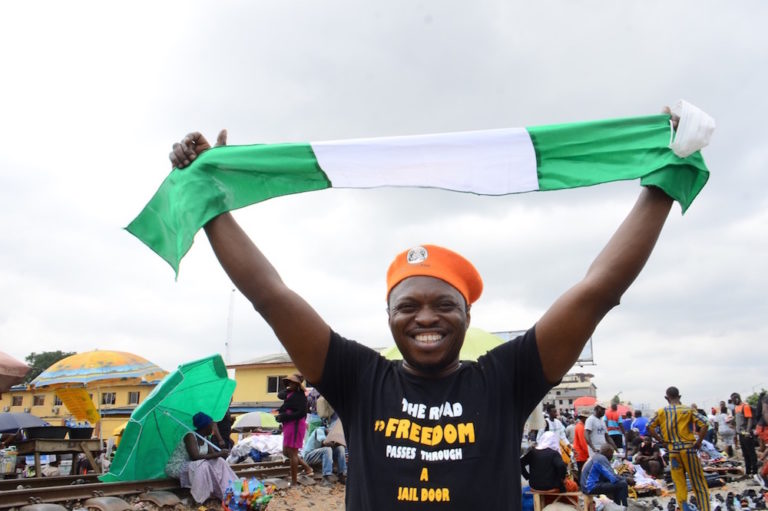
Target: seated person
[(323, 446), (198, 466), (543, 466), (598, 477), (648, 456), (11, 438)]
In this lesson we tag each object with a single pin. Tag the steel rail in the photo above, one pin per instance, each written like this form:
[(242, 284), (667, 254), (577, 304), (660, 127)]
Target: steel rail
[(42, 482), (51, 494)]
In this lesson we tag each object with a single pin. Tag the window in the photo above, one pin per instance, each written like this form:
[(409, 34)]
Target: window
[(108, 398), (38, 400), (275, 384), (17, 400), (558, 392), (133, 398), (570, 401), (57, 401)]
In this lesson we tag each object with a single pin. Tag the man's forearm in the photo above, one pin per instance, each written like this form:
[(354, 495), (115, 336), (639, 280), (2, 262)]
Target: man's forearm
[(299, 328), (565, 327), (243, 262), (622, 259)]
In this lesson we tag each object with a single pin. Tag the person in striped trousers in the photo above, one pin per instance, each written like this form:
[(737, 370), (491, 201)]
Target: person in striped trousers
[(674, 426)]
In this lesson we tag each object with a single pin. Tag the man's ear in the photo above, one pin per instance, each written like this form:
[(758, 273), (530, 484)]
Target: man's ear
[(469, 316)]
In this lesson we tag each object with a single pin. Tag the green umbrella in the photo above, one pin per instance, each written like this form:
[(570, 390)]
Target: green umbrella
[(477, 342), (158, 424)]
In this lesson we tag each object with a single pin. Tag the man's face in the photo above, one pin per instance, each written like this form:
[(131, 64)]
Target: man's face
[(735, 399), (599, 411), (552, 413), (428, 319)]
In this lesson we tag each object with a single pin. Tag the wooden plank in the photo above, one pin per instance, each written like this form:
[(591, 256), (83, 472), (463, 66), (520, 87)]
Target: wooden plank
[(89, 457)]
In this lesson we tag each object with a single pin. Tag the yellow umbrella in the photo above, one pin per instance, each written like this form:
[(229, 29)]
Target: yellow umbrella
[(98, 368), (102, 367)]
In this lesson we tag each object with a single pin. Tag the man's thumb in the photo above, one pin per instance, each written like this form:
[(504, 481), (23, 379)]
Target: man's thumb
[(222, 138)]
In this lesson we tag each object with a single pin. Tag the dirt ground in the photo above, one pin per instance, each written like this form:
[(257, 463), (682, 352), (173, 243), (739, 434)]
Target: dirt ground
[(314, 498), (305, 498)]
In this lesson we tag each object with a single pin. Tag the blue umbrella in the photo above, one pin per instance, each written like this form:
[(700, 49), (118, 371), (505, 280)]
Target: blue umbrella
[(13, 421)]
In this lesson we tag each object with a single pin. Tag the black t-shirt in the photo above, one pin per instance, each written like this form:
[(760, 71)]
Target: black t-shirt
[(447, 443)]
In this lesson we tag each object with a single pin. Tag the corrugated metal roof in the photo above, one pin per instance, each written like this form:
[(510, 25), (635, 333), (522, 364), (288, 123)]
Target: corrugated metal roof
[(274, 358)]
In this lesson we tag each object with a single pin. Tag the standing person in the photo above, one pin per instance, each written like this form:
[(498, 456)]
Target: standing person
[(222, 431), (676, 422), (724, 429), (580, 447), (420, 430), (569, 430), (596, 434), (742, 414), (614, 425), (292, 414), (553, 424), (640, 423), (626, 424), (761, 431)]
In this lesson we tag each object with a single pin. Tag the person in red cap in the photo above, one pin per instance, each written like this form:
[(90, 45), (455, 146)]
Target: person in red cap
[(433, 430)]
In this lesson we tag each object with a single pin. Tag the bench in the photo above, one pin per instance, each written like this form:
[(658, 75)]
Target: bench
[(565, 498)]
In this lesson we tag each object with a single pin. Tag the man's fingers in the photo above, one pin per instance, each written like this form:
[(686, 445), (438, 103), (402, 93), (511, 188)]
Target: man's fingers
[(178, 156), (190, 147), (222, 138), (674, 118)]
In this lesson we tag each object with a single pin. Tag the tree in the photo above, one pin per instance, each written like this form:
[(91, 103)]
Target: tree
[(39, 362), (615, 399), (754, 397)]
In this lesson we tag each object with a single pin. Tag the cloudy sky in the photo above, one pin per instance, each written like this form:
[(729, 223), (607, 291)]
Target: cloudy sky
[(93, 95)]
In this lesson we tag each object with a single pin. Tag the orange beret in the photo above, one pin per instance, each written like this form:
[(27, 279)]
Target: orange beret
[(438, 262)]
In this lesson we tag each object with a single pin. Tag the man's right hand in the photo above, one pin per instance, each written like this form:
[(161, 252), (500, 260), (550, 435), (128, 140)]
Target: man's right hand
[(183, 153)]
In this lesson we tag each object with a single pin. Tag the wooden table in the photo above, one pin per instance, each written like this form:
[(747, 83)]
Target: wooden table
[(59, 446)]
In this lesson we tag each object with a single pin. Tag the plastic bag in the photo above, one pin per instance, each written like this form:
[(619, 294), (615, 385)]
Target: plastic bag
[(247, 494)]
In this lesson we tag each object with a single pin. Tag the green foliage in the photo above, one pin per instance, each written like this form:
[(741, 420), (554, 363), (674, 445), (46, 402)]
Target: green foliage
[(753, 398), (615, 400), (39, 362)]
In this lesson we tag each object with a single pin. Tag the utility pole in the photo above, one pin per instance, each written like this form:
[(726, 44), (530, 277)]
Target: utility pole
[(230, 319)]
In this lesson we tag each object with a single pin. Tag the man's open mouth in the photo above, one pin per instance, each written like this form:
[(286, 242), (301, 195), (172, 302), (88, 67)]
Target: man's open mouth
[(428, 338)]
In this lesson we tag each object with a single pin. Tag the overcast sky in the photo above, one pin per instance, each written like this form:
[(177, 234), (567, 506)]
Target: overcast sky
[(93, 95)]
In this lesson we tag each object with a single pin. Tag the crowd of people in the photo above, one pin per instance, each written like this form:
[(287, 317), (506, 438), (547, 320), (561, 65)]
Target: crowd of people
[(607, 453), (199, 461)]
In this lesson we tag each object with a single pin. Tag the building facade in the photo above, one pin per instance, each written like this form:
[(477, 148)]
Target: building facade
[(114, 402), (259, 380), (572, 387)]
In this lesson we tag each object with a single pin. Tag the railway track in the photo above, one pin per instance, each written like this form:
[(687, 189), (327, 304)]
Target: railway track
[(71, 488)]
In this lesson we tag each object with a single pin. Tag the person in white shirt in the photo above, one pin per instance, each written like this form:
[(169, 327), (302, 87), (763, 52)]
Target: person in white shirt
[(553, 424), (596, 433)]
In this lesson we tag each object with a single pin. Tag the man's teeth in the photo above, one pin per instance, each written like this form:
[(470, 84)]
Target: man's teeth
[(428, 337)]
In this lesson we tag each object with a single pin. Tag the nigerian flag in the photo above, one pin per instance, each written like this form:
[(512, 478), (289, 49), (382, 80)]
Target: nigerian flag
[(493, 162)]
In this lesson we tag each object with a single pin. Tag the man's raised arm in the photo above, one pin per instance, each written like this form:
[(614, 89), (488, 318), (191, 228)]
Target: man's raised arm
[(564, 329), (299, 328)]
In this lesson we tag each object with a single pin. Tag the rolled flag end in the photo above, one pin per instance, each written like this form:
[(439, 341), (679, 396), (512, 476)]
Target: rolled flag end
[(693, 131)]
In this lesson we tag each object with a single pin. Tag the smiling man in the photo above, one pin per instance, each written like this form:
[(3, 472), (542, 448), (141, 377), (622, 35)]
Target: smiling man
[(432, 431)]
